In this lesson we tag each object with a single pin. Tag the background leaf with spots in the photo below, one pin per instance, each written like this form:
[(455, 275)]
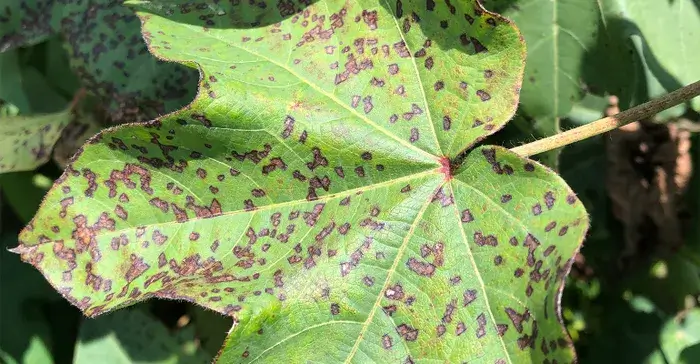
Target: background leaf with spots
[(106, 52), (325, 191)]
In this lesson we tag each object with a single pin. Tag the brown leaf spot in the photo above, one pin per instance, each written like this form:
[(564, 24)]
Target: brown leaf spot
[(549, 200), (121, 212), (483, 95), (420, 268), (407, 332), (414, 135), (481, 323), (550, 226), (517, 319), (469, 297), (481, 240), (467, 216), (460, 329), (446, 123), (386, 342), (394, 293), (288, 127), (136, 268)]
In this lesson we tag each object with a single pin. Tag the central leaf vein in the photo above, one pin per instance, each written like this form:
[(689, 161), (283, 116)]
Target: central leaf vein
[(389, 275), (328, 95)]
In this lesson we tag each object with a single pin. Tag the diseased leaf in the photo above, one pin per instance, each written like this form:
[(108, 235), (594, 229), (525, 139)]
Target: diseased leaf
[(317, 190), (132, 336), (26, 141), (87, 122), (107, 53)]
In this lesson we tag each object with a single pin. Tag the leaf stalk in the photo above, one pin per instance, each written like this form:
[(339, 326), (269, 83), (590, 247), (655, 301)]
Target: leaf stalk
[(609, 123)]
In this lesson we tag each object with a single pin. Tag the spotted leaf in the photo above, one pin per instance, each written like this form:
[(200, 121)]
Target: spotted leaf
[(106, 52), (317, 189), (26, 141)]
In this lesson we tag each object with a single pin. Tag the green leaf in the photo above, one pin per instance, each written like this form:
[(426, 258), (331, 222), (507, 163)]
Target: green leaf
[(210, 327), (21, 191), (680, 333), (558, 35), (11, 77), (606, 47), (26, 141), (690, 354), (107, 53), (57, 67), (635, 60), (26, 88), (133, 336), (25, 335), (667, 55), (317, 189)]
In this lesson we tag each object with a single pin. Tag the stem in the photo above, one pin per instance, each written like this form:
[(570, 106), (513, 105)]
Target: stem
[(77, 98), (609, 123)]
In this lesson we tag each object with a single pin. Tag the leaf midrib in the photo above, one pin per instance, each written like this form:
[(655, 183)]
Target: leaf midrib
[(390, 274), (320, 199), (332, 97), (347, 322), (400, 253), (420, 81), (482, 285)]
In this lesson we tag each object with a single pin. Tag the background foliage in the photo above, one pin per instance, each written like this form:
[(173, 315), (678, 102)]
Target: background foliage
[(579, 52)]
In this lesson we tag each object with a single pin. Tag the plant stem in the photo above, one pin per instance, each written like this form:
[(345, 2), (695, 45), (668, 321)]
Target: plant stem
[(77, 98), (609, 123)]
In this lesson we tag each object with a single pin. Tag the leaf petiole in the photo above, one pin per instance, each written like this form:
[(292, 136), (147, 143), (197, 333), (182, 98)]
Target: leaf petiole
[(609, 123)]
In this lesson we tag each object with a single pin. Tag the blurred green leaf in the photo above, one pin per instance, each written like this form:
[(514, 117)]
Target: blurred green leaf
[(22, 193), (664, 35), (32, 118), (57, 67), (557, 34), (26, 88), (26, 141), (87, 121), (11, 91), (132, 336), (590, 108), (679, 333), (25, 336), (690, 355), (211, 328)]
